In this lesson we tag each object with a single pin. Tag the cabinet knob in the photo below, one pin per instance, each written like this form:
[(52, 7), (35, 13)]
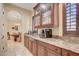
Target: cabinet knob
[(2, 37), (56, 49), (68, 54)]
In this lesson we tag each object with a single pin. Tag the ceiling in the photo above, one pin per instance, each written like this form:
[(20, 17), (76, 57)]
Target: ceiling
[(28, 6)]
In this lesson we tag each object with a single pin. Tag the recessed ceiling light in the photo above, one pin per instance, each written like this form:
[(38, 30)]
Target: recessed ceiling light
[(43, 6)]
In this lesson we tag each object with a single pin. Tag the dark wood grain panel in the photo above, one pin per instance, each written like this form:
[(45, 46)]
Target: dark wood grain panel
[(68, 53)]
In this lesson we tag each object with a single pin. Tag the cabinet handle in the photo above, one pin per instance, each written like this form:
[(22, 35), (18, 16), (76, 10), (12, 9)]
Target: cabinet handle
[(2, 37), (68, 54), (56, 49)]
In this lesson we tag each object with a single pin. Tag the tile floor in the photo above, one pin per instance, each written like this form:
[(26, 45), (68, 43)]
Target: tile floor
[(16, 49)]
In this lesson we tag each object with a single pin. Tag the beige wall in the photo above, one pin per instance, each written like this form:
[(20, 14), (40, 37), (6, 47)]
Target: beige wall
[(11, 24), (59, 30), (60, 19), (26, 17)]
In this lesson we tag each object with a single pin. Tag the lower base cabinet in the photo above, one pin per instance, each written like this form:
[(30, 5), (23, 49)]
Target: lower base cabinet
[(26, 41), (30, 45), (34, 48), (39, 48), (68, 53), (45, 49)]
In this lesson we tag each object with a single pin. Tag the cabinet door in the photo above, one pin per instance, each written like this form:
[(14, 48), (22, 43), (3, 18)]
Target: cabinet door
[(52, 53), (37, 9), (41, 50), (30, 45), (68, 53), (73, 54), (37, 20), (46, 14), (46, 18), (34, 51), (26, 41)]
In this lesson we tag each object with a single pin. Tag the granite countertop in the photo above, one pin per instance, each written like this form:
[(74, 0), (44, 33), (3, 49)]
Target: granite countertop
[(72, 45)]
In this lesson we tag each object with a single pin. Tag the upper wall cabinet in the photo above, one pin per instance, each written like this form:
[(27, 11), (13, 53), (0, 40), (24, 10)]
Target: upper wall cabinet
[(46, 15), (37, 9), (37, 16), (37, 21)]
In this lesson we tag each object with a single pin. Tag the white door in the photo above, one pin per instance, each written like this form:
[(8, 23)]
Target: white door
[(3, 38)]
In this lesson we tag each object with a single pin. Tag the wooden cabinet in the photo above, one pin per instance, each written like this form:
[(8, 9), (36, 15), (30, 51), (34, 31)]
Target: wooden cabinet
[(68, 53), (37, 16), (37, 9), (46, 15), (37, 21), (26, 41), (30, 45), (53, 50), (50, 17), (45, 49), (34, 48), (39, 48)]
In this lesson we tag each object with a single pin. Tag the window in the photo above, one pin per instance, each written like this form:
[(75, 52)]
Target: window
[(70, 17)]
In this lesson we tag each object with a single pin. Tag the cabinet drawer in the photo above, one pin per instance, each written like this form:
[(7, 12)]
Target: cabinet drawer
[(52, 53), (41, 50), (54, 48), (51, 47), (68, 53)]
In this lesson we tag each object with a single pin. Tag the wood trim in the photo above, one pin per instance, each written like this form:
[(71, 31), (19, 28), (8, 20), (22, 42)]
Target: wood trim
[(70, 33), (68, 52), (77, 19), (55, 13), (52, 14), (47, 26), (36, 6)]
